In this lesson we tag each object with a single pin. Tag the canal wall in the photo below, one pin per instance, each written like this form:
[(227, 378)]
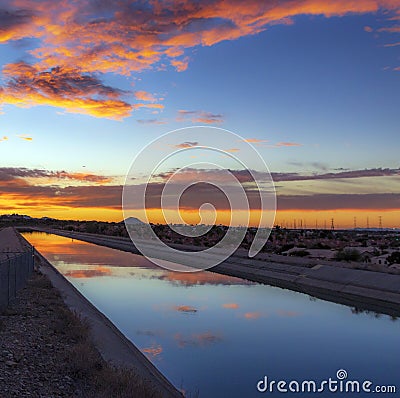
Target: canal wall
[(365, 290), (16, 265), (112, 345)]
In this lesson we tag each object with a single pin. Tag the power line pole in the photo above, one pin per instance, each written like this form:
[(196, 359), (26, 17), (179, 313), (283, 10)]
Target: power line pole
[(332, 224), (380, 222), (355, 222)]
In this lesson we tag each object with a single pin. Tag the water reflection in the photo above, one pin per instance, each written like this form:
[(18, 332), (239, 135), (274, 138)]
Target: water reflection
[(220, 334), (202, 339), (103, 261), (152, 352), (95, 271)]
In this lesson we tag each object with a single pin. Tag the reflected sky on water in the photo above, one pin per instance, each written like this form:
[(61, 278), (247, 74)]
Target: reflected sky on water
[(220, 335)]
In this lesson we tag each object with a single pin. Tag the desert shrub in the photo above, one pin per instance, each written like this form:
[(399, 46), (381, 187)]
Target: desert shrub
[(394, 258), (348, 255), (300, 253)]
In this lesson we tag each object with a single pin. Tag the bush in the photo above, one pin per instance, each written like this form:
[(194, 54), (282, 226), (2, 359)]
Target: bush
[(348, 255), (394, 258), (320, 245), (300, 253)]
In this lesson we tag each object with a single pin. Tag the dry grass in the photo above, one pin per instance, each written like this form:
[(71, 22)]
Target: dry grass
[(83, 362), (120, 383)]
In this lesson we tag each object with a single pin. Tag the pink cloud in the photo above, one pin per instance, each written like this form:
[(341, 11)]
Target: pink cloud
[(232, 306), (254, 140), (287, 144), (253, 315), (196, 116), (145, 96)]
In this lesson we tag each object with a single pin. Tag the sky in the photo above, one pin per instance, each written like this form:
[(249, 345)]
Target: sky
[(313, 85)]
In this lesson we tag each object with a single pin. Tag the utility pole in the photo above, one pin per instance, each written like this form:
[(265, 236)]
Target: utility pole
[(380, 222), (367, 222), (355, 222), (332, 224)]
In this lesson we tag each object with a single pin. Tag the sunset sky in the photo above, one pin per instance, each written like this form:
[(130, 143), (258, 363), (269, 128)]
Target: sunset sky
[(314, 85)]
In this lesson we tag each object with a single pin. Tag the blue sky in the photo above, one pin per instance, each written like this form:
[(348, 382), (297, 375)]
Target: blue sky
[(326, 85)]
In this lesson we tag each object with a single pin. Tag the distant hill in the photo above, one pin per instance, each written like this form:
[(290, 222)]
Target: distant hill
[(132, 221)]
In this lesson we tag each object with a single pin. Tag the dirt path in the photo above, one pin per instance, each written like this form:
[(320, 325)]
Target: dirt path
[(10, 243)]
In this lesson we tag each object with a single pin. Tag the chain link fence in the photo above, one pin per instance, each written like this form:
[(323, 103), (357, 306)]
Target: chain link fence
[(15, 269)]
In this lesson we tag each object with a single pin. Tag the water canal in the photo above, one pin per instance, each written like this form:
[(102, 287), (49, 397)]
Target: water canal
[(217, 336)]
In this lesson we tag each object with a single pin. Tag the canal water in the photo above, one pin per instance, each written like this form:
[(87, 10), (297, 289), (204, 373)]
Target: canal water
[(218, 336)]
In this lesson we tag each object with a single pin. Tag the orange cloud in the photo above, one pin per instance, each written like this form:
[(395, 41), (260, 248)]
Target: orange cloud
[(145, 96), (287, 314), (252, 315), (151, 106), (180, 65), (5, 138), (84, 177), (127, 38), (64, 88), (254, 140), (89, 273), (199, 117), (233, 306), (187, 144), (185, 308), (208, 119), (20, 175), (153, 351), (392, 29), (134, 39), (288, 144), (202, 278), (25, 137), (82, 195), (16, 24)]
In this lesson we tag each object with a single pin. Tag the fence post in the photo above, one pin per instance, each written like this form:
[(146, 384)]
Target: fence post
[(8, 277), (33, 259), (14, 273)]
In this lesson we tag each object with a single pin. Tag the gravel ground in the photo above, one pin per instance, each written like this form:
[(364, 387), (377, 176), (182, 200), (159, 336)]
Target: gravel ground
[(46, 352), (34, 345)]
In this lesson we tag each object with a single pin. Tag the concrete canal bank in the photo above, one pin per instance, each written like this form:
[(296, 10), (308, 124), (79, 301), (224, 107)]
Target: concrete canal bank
[(112, 345)]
